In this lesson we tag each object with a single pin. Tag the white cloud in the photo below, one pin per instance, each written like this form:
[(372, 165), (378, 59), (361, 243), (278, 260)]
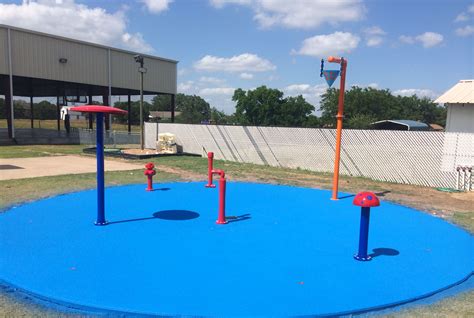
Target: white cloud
[(416, 91), (303, 14), (337, 43), (465, 31), (374, 36), (77, 21), (371, 85), (157, 6), (430, 39), (462, 17), (312, 94), (246, 76), (183, 71), (217, 91), (222, 3), (188, 87), (240, 63), (427, 39), (374, 41), (406, 39), (465, 16), (211, 80)]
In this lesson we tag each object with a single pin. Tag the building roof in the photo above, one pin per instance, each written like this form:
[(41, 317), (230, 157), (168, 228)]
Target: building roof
[(63, 38), (461, 93), (410, 124)]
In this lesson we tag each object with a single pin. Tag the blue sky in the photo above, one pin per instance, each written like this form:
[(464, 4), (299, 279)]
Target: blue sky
[(422, 47)]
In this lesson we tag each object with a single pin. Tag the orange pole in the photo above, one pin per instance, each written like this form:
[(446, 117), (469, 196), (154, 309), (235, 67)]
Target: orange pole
[(339, 117)]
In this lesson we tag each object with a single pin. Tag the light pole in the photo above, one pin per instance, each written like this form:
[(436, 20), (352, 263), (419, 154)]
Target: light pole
[(141, 70)]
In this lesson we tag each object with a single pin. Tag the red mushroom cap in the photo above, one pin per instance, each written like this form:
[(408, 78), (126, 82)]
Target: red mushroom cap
[(366, 199), (98, 109)]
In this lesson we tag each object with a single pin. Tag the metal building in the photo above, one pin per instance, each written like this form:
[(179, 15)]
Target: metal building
[(34, 64), (459, 100)]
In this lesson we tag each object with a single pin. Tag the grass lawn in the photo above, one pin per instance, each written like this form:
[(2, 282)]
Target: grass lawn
[(454, 207), (52, 124)]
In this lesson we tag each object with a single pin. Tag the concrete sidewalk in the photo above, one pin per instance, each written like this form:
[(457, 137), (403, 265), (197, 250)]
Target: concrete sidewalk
[(19, 168)]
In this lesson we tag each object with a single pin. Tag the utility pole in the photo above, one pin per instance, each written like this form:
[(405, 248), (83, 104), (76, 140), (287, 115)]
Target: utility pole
[(141, 70)]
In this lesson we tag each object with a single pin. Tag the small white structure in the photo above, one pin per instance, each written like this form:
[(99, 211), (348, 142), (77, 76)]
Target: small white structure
[(66, 110), (460, 102)]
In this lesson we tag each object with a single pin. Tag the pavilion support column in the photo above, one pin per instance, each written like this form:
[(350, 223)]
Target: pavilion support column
[(129, 109), (8, 106), (58, 113), (32, 117), (90, 116), (173, 106), (106, 102)]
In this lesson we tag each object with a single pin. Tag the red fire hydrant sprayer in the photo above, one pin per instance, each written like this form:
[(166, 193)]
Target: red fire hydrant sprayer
[(150, 172), (210, 160), (222, 184)]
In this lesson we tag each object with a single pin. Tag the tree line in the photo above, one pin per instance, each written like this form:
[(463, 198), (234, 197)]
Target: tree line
[(265, 106)]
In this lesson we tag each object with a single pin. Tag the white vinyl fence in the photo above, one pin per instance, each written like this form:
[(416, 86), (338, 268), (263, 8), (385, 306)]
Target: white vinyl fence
[(410, 157)]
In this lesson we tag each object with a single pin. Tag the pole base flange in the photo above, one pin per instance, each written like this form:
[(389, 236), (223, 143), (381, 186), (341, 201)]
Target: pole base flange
[(362, 259), (210, 185), (101, 223), (221, 222), (149, 189)]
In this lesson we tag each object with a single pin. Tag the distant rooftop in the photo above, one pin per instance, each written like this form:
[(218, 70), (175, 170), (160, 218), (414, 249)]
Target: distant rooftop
[(461, 93), (400, 124)]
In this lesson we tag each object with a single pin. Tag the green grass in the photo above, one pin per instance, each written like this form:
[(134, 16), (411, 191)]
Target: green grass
[(39, 151), (466, 220), (21, 190), (52, 124)]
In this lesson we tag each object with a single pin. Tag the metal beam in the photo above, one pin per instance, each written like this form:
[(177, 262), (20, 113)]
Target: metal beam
[(173, 106), (11, 126), (90, 115), (129, 109), (31, 111), (58, 113)]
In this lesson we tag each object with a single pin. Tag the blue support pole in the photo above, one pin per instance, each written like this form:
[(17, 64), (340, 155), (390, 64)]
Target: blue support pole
[(100, 169), (363, 235)]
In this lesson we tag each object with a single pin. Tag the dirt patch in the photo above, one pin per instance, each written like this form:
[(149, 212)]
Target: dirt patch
[(140, 152), (58, 165), (183, 174)]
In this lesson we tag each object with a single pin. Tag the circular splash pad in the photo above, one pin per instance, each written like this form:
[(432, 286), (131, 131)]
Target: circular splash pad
[(286, 251)]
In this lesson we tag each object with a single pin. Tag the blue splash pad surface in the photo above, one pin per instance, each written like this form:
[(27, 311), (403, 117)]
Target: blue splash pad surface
[(291, 253)]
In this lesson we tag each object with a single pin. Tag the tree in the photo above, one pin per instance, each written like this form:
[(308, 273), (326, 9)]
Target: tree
[(194, 109), (218, 117), (134, 112), (161, 102), (266, 107), (365, 105)]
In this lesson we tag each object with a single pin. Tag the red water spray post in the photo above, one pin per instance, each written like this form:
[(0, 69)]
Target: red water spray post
[(150, 172), (222, 183), (210, 162)]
